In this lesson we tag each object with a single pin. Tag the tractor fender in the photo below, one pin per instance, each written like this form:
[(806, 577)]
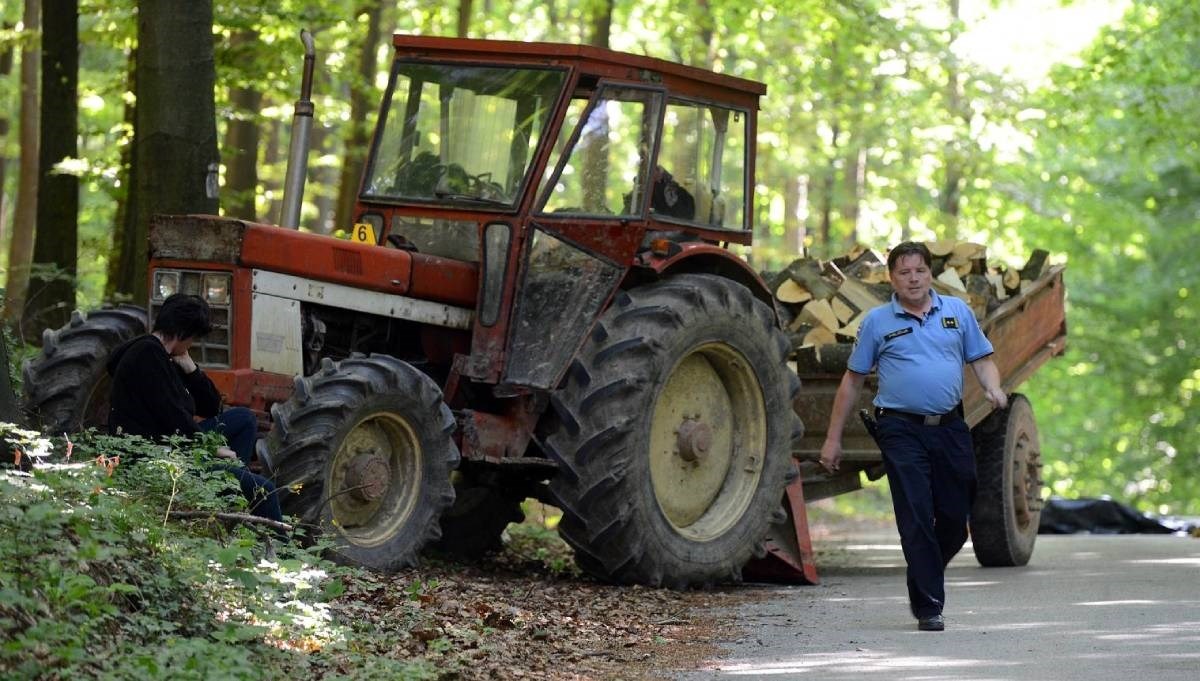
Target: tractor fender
[(698, 257)]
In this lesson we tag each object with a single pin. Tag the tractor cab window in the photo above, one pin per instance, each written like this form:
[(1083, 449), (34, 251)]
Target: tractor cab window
[(460, 135), (605, 167), (700, 177)]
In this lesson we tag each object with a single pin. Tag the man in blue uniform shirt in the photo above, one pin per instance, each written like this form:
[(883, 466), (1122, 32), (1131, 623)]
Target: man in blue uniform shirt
[(918, 343)]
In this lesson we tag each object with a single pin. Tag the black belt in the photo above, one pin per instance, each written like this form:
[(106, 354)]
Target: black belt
[(922, 419)]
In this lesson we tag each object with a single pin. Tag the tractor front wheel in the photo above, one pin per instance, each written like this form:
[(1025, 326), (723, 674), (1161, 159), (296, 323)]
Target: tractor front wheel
[(674, 430), (364, 447)]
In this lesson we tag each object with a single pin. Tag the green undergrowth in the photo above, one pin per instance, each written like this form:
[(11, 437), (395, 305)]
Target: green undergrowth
[(97, 582)]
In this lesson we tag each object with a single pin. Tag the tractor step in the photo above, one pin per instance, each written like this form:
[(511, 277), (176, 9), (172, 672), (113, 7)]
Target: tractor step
[(789, 557)]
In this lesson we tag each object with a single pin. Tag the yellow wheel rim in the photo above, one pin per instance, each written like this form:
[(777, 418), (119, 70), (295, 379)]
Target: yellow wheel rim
[(374, 479), (707, 440)]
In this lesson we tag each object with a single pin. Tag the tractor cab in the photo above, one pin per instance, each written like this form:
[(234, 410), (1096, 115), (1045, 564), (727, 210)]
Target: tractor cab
[(553, 168)]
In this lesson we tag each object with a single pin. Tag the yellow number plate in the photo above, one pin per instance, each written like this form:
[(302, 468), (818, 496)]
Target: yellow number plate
[(363, 233)]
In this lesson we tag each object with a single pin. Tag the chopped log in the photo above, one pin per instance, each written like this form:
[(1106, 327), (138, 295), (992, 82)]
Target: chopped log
[(820, 313), (819, 336), (849, 332), (1012, 281), (980, 296), (865, 264), (807, 273), (881, 291), (791, 292), (796, 334), (941, 248), (873, 273), (860, 296), (969, 250), (1032, 270), (951, 280), (960, 265), (823, 359), (996, 280), (843, 310)]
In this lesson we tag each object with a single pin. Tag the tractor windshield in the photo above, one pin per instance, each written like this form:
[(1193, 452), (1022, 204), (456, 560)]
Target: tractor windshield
[(461, 134)]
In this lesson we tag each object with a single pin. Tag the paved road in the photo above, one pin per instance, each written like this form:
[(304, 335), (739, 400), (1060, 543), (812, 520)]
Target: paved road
[(1087, 608)]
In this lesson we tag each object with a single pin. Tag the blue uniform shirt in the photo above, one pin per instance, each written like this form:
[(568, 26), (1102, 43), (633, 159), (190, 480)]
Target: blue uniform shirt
[(920, 361)]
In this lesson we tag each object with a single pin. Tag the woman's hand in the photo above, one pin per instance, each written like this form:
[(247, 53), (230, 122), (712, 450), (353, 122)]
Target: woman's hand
[(185, 362)]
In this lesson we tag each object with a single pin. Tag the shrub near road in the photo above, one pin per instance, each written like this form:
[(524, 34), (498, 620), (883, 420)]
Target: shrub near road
[(97, 582)]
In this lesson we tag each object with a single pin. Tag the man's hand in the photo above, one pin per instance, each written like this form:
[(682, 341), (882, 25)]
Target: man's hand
[(831, 455), (227, 453), (996, 396), (185, 362)]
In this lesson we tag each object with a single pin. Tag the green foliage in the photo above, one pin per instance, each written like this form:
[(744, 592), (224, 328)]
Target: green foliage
[(96, 582), (1112, 181), (860, 135)]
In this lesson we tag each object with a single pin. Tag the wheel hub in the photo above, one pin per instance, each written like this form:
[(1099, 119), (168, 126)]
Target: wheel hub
[(367, 475), (693, 439), (707, 434)]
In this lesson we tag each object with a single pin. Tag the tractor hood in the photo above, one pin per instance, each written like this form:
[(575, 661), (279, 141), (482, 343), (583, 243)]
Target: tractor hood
[(209, 238)]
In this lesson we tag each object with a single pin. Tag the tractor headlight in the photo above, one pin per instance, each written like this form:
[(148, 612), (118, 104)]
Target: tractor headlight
[(216, 288), (165, 284)]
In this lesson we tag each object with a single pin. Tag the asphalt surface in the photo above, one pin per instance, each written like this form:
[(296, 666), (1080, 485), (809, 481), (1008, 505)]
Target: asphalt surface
[(1087, 607)]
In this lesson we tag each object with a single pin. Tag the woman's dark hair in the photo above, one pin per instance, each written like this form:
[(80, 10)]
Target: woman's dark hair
[(909, 248), (183, 316)]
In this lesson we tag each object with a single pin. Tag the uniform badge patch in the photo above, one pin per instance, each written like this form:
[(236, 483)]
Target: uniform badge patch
[(897, 333), (950, 322)]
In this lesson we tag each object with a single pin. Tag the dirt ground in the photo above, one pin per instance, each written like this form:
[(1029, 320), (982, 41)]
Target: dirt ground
[(527, 613)]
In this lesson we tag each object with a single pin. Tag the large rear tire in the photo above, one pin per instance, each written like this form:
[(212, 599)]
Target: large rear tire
[(1008, 504), (365, 447), (67, 386), (674, 434)]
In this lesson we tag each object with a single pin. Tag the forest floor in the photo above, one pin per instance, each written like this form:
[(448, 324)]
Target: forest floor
[(527, 614)]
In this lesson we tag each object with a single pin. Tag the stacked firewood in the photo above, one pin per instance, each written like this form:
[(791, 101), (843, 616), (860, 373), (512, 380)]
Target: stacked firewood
[(824, 301)]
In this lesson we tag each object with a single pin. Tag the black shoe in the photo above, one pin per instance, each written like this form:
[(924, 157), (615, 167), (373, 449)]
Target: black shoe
[(931, 623)]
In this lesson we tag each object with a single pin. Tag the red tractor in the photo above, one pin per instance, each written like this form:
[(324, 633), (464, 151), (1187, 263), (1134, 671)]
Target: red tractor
[(537, 300)]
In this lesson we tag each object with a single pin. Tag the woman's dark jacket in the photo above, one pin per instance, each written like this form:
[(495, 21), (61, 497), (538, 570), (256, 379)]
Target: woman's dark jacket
[(151, 396)]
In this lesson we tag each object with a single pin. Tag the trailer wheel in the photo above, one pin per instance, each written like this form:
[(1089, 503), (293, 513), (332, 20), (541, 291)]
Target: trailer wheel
[(67, 386), (364, 446), (1008, 505), (674, 434), (474, 526)]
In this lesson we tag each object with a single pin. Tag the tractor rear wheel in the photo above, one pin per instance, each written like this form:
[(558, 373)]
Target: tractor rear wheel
[(1008, 499), (67, 386), (674, 431), (364, 446)]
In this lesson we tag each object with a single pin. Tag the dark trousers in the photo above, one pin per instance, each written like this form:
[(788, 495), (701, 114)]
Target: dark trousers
[(931, 472), (240, 428)]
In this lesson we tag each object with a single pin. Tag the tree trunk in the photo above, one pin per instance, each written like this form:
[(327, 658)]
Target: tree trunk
[(241, 142), (6, 62), (51, 296), (122, 267), (464, 18), (601, 22), (950, 199), (272, 156), (176, 128), (357, 137), (20, 249), (854, 178), (595, 156)]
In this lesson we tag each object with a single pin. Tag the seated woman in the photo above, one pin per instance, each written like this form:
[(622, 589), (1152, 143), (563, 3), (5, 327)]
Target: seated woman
[(157, 391)]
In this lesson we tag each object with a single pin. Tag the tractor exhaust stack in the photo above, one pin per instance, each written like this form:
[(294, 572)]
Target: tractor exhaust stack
[(302, 120)]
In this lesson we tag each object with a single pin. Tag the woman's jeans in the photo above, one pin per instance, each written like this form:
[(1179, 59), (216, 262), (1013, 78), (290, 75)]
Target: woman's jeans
[(240, 428)]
